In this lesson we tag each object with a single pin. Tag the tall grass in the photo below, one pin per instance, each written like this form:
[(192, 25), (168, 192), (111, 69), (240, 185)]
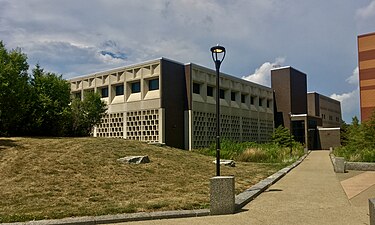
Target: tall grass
[(255, 152), (354, 154)]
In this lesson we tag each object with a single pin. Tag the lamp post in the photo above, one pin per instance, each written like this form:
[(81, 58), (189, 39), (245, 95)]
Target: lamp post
[(290, 134), (218, 55)]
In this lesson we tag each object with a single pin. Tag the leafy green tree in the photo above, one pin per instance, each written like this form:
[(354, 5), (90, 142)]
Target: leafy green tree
[(14, 91), (87, 113), (51, 102), (369, 131), (282, 137)]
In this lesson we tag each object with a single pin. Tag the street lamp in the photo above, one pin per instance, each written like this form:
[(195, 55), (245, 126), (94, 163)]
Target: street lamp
[(290, 134), (217, 53)]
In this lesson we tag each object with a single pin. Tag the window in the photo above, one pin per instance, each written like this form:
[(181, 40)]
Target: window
[(330, 117), (268, 103), (243, 98), (119, 90), (153, 84), (210, 91), (252, 100), (77, 95), (260, 102), (196, 88), (136, 87), (104, 92), (233, 96), (222, 94)]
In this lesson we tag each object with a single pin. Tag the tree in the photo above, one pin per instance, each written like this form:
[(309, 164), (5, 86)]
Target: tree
[(51, 95), (282, 137), (41, 105), (87, 113), (369, 131), (14, 91)]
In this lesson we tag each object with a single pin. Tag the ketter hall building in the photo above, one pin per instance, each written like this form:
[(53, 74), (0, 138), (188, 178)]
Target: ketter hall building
[(164, 101)]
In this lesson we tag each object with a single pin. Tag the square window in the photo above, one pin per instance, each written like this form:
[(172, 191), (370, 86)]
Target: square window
[(233, 96), (260, 102), (196, 88), (77, 95), (119, 90), (268, 103), (136, 87), (153, 84), (210, 91), (104, 92), (243, 98), (222, 94)]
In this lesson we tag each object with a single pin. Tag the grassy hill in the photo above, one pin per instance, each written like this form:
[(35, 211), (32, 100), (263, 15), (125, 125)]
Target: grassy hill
[(45, 178)]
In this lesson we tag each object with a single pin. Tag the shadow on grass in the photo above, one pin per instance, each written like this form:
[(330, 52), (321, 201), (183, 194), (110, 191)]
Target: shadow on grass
[(7, 143)]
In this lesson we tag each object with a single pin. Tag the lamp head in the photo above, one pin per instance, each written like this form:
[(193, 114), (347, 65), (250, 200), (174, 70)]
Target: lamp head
[(216, 51)]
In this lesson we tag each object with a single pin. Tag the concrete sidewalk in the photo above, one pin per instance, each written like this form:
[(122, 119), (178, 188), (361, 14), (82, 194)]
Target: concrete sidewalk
[(309, 194)]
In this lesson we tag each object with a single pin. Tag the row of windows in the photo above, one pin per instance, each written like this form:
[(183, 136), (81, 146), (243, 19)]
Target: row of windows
[(330, 118), (210, 92), (135, 88)]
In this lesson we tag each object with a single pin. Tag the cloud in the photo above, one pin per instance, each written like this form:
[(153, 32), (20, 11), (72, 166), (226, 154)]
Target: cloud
[(349, 100), (354, 78), (367, 12), (262, 75)]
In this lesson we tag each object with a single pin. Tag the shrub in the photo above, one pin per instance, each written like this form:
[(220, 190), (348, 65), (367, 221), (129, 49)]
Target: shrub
[(255, 152)]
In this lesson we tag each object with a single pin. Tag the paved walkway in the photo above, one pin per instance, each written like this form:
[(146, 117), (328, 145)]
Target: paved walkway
[(309, 194)]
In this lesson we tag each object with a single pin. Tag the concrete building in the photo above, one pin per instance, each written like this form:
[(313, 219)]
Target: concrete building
[(366, 65), (163, 101), (313, 119), (328, 109)]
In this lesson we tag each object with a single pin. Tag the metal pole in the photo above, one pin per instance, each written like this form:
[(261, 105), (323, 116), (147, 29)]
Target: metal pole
[(217, 64)]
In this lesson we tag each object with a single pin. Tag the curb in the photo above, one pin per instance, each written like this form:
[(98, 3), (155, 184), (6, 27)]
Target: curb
[(358, 166), (240, 201), (119, 218), (248, 195)]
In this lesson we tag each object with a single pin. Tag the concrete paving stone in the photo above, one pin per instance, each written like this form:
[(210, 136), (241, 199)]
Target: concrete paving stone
[(357, 184)]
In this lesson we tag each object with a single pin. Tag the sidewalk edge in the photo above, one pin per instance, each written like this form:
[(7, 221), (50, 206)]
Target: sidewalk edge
[(248, 195)]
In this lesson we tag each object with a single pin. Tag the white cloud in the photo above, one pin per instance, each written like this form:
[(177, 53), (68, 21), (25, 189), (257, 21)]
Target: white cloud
[(349, 104), (262, 75), (349, 100), (367, 12), (354, 78)]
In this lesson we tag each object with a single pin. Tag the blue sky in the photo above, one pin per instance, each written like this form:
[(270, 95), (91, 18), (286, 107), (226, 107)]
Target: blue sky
[(78, 37)]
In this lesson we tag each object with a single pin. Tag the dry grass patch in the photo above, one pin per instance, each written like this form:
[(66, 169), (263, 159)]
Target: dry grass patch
[(44, 178)]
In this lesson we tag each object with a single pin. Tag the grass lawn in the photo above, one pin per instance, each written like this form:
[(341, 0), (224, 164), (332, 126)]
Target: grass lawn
[(46, 178)]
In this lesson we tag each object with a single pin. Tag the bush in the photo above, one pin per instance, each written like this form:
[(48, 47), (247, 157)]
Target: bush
[(255, 152), (359, 145)]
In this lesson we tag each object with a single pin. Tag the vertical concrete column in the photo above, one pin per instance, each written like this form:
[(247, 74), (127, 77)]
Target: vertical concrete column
[(222, 195), (339, 165), (371, 202)]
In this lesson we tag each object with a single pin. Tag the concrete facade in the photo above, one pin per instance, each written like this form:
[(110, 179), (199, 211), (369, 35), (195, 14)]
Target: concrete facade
[(366, 65), (246, 108), (307, 115), (163, 101), (328, 109)]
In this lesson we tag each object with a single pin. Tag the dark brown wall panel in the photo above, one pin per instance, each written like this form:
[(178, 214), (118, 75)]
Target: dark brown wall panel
[(366, 55), (174, 101)]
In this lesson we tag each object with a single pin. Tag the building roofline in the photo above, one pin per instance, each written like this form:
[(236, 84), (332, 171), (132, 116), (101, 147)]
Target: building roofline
[(125, 67), (281, 67), (288, 67), (323, 96), (367, 34), (228, 75)]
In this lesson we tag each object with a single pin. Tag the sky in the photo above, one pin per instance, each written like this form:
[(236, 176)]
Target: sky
[(79, 37)]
